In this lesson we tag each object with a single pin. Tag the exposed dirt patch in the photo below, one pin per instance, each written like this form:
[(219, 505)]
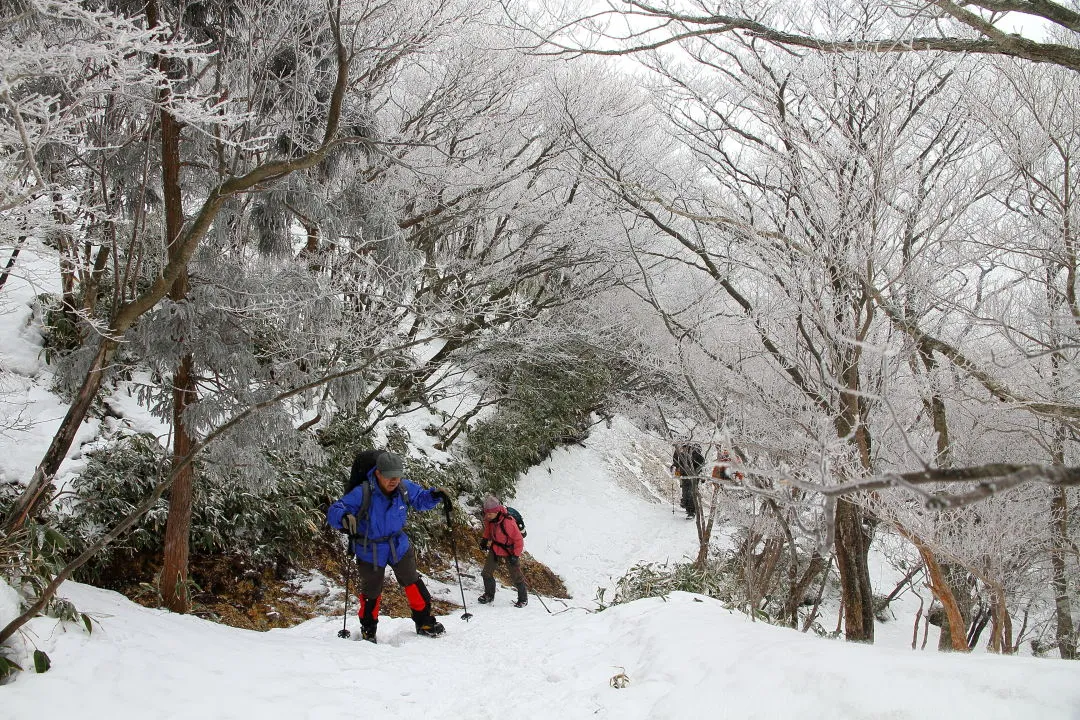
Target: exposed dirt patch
[(540, 578), (227, 589)]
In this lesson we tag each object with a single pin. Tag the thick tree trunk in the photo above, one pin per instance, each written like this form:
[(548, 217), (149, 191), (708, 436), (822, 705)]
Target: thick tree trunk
[(174, 569), (956, 626), (854, 523), (1059, 533), (954, 576), (852, 547)]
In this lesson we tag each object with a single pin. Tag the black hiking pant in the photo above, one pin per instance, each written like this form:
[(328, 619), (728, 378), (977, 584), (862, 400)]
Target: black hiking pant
[(517, 577), (371, 587), (689, 495)]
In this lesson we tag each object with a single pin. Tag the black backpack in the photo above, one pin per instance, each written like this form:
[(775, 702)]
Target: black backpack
[(518, 519), (688, 459), (362, 464)]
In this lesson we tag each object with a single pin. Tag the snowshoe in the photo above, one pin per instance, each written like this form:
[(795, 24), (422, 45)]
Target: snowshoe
[(368, 635), (485, 599), (434, 629), (521, 603)]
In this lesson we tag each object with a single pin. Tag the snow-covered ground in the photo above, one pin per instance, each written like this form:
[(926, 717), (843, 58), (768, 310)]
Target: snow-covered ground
[(682, 659), (592, 513), (590, 518)]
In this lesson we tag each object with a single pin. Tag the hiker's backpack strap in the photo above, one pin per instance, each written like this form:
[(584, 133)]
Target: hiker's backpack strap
[(369, 488)]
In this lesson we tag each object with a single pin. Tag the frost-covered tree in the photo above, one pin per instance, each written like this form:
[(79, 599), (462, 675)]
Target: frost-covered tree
[(211, 101)]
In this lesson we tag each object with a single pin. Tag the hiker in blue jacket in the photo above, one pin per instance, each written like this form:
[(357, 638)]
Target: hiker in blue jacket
[(373, 514)]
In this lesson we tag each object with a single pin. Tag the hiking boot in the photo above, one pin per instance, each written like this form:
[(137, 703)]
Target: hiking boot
[(485, 599), (523, 595), (432, 629), (368, 634)]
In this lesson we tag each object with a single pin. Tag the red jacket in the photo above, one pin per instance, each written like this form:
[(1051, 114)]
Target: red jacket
[(503, 534)]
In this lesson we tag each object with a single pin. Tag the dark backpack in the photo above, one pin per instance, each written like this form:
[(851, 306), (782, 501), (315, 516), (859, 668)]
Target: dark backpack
[(518, 519), (688, 459), (361, 466)]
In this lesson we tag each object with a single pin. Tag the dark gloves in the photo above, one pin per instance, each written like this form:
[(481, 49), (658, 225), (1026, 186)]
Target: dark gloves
[(444, 496), (485, 544), (348, 524)]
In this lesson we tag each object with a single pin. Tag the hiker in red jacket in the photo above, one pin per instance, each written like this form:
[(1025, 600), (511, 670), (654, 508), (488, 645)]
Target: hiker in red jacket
[(502, 539)]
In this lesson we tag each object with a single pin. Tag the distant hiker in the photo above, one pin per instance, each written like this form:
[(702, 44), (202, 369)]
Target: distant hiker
[(725, 467), (373, 514), (502, 540), (686, 463)]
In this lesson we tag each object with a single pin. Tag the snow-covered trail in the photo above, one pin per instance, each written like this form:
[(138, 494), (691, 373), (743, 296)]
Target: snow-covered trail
[(593, 512), (683, 658)]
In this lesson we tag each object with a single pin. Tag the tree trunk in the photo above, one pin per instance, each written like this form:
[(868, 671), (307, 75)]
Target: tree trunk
[(957, 627), (852, 547), (69, 257), (797, 592), (812, 615), (1059, 518), (30, 501), (764, 569), (704, 526), (853, 523), (952, 577), (174, 569), (11, 260), (977, 626), (936, 407), (1001, 623)]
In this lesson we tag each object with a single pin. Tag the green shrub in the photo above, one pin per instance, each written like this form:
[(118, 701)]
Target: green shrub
[(30, 557), (59, 329), (114, 481), (342, 438), (267, 524), (268, 521), (454, 476), (547, 403), (660, 580)]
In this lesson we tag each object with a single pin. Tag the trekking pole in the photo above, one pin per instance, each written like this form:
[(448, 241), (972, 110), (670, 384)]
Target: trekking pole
[(542, 601), (453, 547), (344, 633)]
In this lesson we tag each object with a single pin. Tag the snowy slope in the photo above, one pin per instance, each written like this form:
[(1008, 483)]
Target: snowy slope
[(29, 413), (592, 512), (683, 658)]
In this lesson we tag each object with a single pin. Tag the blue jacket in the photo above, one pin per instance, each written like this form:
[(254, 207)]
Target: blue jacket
[(380, 537)]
